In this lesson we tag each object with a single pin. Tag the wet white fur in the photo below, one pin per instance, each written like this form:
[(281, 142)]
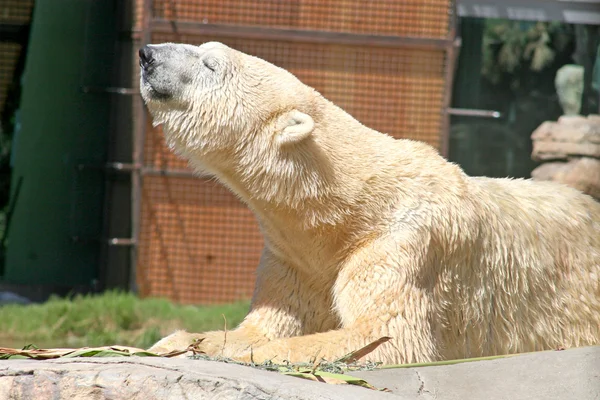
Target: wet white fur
[(368, 236)]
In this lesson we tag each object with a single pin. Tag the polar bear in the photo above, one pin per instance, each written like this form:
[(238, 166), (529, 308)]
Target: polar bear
[(367, 236)]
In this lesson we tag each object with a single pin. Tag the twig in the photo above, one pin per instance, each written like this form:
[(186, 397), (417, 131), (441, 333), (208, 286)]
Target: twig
[(316, 364), (224, 335)]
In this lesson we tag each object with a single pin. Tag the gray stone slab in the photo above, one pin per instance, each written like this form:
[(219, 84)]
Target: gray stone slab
[(159, 379), (561, 375), (569, 374)]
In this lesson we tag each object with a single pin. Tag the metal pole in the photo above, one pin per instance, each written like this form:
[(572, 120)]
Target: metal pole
[(295, 35), (137, 158), (452, 51)]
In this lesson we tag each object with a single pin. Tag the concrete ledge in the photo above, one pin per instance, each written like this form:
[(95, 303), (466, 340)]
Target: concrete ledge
[(569, 374), (548, 375)]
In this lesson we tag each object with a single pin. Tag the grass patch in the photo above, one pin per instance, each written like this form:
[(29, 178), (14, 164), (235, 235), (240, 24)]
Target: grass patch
[(107, 319)]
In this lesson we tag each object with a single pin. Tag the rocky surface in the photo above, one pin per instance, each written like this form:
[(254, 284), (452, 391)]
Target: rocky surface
[(548, 375), (158, 379), (570, 136), (570, 152), (580, 173), (570, 374)]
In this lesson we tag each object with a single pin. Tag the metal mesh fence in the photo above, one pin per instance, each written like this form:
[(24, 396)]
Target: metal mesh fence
[(9, 55), (15, 11), (421, 18), (198, 243), (13, 14)]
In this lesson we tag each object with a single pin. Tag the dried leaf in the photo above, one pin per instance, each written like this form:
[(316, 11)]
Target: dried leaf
[(331, 378), (195, 347), (145, 354), (173, 353), (33, 352), (96, 352), (13, 357), (360, 353)]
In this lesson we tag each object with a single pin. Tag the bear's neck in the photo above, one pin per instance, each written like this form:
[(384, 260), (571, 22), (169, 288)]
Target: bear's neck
[(305, 193), (316, 184)]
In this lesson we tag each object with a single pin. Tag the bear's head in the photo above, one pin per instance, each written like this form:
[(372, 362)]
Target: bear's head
[(212, 98)]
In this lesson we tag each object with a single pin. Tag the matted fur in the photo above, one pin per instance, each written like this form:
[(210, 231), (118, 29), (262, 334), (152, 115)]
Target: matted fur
[(368, 236)]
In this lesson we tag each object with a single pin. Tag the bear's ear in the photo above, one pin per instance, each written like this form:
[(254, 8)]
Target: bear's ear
[(293, 127)]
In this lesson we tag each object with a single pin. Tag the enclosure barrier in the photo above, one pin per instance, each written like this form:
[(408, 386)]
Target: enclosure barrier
[(388, 63)]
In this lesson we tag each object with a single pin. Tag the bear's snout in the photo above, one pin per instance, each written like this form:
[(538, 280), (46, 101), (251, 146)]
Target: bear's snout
[(146, 56)]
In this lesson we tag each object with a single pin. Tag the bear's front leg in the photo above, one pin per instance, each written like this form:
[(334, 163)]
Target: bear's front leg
[(378, 292), (283, 305), (214, 343)]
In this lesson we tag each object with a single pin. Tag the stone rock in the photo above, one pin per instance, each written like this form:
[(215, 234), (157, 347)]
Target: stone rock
[(581, 173), (144, 378), (548, 375), (570, 136)]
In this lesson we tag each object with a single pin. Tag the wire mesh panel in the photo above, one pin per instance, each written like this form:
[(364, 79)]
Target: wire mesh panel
[(198, 243), (15, 11), (421, 18), (9, 55), (14, 14), (396, 91)]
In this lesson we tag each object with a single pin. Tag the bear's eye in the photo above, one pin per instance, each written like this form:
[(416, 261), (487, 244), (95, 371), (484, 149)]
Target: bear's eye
[(210, 63)]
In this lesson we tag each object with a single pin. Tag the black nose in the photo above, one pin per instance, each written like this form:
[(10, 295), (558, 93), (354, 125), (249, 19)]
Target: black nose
[(146, 57)]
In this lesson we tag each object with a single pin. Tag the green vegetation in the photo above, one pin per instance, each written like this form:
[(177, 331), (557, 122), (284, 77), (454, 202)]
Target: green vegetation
[(514, 50), (108, 319)]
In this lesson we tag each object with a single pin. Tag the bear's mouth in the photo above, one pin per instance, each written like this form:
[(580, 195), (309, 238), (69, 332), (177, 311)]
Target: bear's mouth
[(157, 95), (148, 66), (151, 91)]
